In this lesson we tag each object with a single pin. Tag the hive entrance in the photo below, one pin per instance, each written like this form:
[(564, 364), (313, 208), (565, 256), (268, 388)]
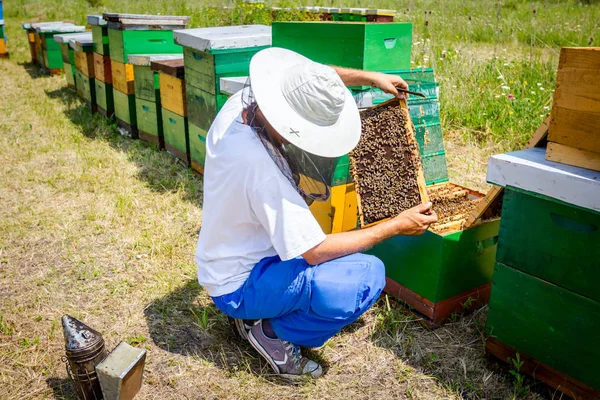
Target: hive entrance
[(386, 164)]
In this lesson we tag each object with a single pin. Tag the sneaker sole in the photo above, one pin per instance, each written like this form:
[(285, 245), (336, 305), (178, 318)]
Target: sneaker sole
[(241, 328), (271, 362)]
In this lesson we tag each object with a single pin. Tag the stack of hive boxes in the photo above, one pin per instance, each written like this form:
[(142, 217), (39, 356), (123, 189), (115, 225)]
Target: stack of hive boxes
[(147, 96), (33, 38), (83, 52), (545, 302), (48, 51), (209, 54), (136, 34), (173, 108), (102, 68), (3, 50), (68, 55)]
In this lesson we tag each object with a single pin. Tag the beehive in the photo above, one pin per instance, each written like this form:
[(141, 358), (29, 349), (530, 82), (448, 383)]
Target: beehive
[(48, 50), (365, 46), (130, 34), (3, 50), (84, 69), (573, 134), (68, 55), (33, 39), (210, 54), (379, 15), (147, 96), (102, 65), (171, 78), (544, 302)]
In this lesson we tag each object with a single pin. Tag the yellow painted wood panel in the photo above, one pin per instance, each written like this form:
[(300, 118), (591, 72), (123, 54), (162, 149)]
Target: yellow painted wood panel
[(2, 46), (122, 77), (31, 37), (172, 94), (77, 59), (344, 206), (572, 156), (321, 210), (102, 68), (86, 61)]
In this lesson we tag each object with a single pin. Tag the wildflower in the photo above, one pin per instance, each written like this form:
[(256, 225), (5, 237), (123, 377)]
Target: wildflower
[(506, 87), (498, 96), (500, 77), (525, 83), (546, 107), (532, 92), (532, 101), (510, 96), (541, 88), (510, 113), (539, 84)]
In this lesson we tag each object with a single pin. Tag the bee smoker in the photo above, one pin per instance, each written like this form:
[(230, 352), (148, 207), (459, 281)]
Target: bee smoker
[(84, 350)]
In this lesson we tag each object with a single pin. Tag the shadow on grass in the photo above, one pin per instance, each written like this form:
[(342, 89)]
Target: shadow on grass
[(34, 70), (62, 388), (161, 172)]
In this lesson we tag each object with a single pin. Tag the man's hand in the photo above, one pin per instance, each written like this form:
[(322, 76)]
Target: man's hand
[(389, 83), (416, 220)]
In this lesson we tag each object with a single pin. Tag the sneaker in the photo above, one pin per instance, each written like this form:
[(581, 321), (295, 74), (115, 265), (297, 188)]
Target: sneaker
[(241, 326), (284, 357)]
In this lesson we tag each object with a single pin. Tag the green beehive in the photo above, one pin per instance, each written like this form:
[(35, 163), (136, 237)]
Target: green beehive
[(366, 46), (68, 56), (210, 54), (99, 34), (104, 98), (142, 34), (83, 47), (51, 56), (545, 302), (147, 95)]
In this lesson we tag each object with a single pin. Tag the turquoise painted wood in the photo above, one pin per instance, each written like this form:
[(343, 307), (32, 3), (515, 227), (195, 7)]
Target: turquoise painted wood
[(149, 117), (100, 38), (125, 107), (104, 96), (551, 324), (147, 86), (430, 139), (372, 47), (176, 134), (439, 267), (435, 168), (123, 43), (197, 137), (551, 240)]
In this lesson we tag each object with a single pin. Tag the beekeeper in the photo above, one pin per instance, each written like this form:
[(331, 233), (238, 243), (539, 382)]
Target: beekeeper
[(261, 255)]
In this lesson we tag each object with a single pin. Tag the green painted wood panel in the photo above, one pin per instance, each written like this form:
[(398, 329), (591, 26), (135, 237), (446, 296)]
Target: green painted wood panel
[(64, 50), (146, 84), (104, 96), (439, 267), (48, 42), (197, 138), (353, 45), (202, 106), (125, 107), (79, 83), (425, 112), (86, 87), (430, 139), (175, 130), (53, 58), (149, 118), (551, 240), (551, 324), (341, 173), (123, 43), (435, 168), (69, 75), (100, 38)]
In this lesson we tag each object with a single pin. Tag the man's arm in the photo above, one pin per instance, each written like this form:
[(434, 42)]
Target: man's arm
[(411, 222), (356, 77)]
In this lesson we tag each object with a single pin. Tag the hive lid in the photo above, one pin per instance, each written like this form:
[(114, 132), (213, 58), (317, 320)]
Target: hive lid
[(170, 67), (529, 170), (145, 22), (96, 20), (79, 336), (146, 59), (79, 42), (232, 85), (379, 11), (33, 25), (65, 37), (224, 37), (58, 28)]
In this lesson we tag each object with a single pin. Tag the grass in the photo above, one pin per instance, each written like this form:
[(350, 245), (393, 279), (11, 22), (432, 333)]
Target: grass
[(104, 228)]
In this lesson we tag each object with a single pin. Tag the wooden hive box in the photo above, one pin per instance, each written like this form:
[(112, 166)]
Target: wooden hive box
[(209, 55), (544, 302), (142, 34), (171, 76), (68, 55), (99, 34), (380, 15), (125, 113), (85, 52), (49, 48), (573, 135), (102, 68), (147, 96), (104, 98), (84, 67), (31, 40), (365, 46), (446, 270)]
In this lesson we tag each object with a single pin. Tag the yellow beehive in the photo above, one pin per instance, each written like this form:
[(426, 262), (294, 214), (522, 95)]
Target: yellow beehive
[(122, 77), (172, 94)]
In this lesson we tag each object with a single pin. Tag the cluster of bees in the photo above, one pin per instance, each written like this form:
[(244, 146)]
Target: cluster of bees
[(385, 164), (451, 203)]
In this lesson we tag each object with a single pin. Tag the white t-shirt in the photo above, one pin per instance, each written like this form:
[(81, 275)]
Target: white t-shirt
[(250, 210)]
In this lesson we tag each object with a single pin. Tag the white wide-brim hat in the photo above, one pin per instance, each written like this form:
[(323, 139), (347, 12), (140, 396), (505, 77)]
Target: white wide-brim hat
[(305, 102)]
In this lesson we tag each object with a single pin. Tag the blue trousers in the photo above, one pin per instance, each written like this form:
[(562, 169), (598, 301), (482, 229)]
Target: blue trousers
[(307, 304)]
